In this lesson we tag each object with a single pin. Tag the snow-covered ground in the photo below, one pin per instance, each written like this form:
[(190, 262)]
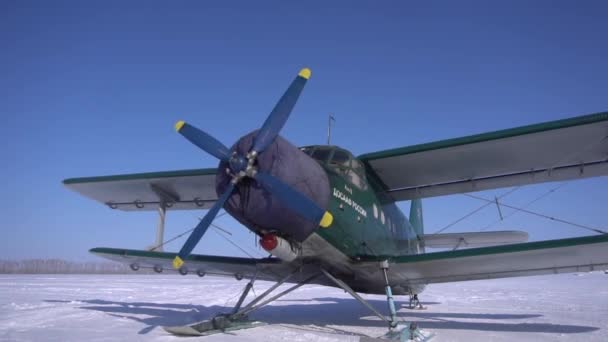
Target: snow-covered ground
[(133, 307)]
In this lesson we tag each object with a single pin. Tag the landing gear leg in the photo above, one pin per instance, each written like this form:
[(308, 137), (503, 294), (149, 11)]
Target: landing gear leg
[(355, 295), (409, 332), (248, 288), (415, 302), (389, 295)]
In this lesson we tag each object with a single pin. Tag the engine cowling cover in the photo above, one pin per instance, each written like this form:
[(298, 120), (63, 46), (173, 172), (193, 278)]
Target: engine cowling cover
[(260, 210)]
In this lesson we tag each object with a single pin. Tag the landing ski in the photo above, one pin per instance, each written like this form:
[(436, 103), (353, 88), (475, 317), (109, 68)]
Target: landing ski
[(216, 325)]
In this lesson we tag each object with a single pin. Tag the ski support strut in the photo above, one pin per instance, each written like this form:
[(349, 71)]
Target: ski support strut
[(237, 319)]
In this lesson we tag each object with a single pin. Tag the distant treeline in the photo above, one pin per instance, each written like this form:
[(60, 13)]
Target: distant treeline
[(57, 266)]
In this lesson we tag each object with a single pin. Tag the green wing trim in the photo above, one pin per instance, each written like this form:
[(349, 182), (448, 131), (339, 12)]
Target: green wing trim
[(264, 269), (126, 253), (143, 175), (503, 249), (582, 254), (271, 269)]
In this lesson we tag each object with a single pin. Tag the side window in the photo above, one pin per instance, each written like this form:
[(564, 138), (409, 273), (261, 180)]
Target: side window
[(357, 174), (356, 179), (357, 166)]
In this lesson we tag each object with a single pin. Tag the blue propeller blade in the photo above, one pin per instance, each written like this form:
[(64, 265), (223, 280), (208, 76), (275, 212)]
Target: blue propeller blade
[(203, 140), (293, 199), (201, 228), (279, 115)]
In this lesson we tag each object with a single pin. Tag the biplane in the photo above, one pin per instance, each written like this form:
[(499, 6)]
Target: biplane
[(328, 217)]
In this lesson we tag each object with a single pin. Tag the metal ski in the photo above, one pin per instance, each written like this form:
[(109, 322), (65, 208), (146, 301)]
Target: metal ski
[(219, 324)]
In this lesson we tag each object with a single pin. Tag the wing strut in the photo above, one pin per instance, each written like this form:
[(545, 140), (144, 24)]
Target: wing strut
[(166, 199)]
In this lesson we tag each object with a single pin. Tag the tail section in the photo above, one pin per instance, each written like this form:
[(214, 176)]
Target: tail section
[(416, 217)]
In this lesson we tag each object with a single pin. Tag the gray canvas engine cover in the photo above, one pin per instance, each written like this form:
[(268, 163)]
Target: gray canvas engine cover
[(258, 209)]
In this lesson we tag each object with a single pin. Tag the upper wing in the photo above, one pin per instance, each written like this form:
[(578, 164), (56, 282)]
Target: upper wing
[(474, 239), (184, 189), (552, 151), (270, 269), (524, 259)]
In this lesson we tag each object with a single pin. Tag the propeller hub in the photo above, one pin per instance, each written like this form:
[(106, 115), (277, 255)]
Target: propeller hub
[(237, 163)]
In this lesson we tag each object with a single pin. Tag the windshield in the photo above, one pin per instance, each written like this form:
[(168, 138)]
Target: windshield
[(321, 154), (340, 158), (349, 167), (341, 161)]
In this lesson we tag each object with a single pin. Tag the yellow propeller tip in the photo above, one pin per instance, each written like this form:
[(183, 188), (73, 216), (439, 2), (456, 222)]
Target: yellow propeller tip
[(326, 220), (305, 73), (178, 262), (179, 125)]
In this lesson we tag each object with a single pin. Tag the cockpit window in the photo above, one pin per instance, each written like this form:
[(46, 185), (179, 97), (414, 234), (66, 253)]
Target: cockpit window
[(356, 179), (321, 154), (341, 161), (357, 166), (307, 150), (350, 167), (340, 158)]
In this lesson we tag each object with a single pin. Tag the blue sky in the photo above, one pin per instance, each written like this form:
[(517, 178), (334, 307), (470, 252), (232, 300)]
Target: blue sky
[(94, 88)]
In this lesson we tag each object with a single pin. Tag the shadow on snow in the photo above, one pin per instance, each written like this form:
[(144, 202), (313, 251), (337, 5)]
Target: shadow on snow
[(326, 312)]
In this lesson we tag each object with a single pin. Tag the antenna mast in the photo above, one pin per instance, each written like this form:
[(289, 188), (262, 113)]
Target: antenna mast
[(329, 121)]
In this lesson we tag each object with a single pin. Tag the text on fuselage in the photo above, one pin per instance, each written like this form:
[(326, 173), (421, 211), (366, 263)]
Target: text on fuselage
[(347, 200)]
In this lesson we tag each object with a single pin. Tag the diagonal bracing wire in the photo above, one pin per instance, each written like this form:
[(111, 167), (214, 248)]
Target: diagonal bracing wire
[(552, 190), (474, 211), (540, 215), (217, 229), (557, 163), (182, 234), (234, 243)]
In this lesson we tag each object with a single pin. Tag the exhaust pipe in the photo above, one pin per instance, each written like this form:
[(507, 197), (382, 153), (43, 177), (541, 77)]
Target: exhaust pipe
[(279, 247)]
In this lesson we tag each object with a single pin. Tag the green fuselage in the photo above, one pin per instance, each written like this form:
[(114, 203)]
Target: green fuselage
[(365, 224)]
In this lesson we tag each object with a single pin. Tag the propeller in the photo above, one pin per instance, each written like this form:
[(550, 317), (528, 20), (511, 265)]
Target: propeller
[(244, 166), (294, 199), (201, 228), (203, 140), (280, 113)]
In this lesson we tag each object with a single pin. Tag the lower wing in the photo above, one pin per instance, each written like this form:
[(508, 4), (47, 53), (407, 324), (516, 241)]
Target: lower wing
[(474, 239), (525, 259), (270, 269)]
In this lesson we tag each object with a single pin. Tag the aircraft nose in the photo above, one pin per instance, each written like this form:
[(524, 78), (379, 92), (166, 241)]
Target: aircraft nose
[(261, 211)]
